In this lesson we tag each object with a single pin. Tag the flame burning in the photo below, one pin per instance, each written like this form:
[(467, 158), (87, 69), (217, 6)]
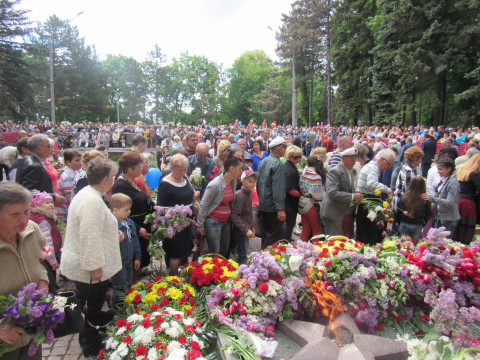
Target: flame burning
[(330, 304)]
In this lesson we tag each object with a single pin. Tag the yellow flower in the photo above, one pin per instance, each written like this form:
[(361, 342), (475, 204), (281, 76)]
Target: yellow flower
[(130, 297), (170, 278), (277, 256), (378, 192), (233, 263), (150, 298), (208, 258), (389, 244), (208, 268), (387, 217), (386, 205), (190, 289), (187, 307), (174, 293), (137, 285)]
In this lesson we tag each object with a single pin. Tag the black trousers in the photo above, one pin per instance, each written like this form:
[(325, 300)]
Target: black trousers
[(4, 167), (368, 232), (91, 340), (272, 228)]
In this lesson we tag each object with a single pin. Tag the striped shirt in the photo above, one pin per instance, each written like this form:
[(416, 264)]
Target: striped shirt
[(65, 186), (401, 185), (368, 182), (335, 158), (222, 211)]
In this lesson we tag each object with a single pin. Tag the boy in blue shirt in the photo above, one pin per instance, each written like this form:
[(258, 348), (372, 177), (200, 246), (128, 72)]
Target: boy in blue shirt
[(120, 205)]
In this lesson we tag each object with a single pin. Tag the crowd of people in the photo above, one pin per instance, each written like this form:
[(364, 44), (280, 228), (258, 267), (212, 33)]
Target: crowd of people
[(255, 182)]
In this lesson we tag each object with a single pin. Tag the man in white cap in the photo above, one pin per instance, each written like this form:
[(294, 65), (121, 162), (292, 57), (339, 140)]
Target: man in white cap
[(271, 192), (339, 193)]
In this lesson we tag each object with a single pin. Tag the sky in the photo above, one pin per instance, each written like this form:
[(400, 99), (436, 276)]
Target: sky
[(220, 30)]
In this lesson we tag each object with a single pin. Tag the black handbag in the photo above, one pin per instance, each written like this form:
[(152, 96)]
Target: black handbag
[(74, 321), (94, 318)]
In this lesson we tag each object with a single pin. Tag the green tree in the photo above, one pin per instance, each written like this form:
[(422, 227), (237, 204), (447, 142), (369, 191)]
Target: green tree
[(16, 94), (156, 72), (247, 76)]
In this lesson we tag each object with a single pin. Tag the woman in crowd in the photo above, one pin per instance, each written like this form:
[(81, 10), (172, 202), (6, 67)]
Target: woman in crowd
[(292, 177), (131, 163), (175, 189), (214, 214), (413, 158), (21, 243), (258, 154), (81, 179), (222, 148), (468, 177), (445, 196), (412, 211), (312, 194), (52, 172), (91, 252)]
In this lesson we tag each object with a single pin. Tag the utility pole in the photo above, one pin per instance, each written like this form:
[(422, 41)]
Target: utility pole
[(294, 94)]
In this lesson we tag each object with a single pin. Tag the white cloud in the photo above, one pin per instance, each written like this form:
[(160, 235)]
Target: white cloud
[(221, 30)]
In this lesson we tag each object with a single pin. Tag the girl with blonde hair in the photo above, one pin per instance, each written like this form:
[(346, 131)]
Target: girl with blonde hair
[(468, 177)]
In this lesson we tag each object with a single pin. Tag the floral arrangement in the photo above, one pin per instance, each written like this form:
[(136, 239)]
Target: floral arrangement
[(209, 271), (36, 311), (334, 245), (196, 178), (379, 211), (214, 173), (166, 222), (165, 333), (171, 291)]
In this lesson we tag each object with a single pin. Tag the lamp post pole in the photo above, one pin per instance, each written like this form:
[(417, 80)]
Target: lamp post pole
[(52, 82)]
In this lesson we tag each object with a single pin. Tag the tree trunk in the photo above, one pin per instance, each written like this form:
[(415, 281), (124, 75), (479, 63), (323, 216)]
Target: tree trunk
[(441, 95), (294, 94), (310, 98), (329, 78), (419, 110)]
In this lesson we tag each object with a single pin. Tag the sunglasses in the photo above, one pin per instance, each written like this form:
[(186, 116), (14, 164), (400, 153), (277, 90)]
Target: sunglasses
[(296, 157)]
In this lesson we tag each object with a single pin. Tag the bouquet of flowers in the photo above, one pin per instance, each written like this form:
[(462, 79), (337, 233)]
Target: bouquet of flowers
[(166, 222), (209, 271), (170, 291), (166, 334), (334, 245), (379, 211), (196, 178), (36, 311)]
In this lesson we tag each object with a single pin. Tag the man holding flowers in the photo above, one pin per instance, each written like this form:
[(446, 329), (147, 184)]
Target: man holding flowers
[(368, 231)]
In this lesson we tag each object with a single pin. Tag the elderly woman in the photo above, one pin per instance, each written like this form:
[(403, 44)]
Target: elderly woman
[(293, 155), (91, 252), (21, 243), (175, 189), (215, 209), (222, 148), (131, 163)]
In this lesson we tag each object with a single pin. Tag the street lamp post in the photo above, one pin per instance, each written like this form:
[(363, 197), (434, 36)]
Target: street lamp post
[(52, 82)]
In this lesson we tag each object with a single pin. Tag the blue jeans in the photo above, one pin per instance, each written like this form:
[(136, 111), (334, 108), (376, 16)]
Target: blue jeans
[(412, 230), (242, 246), (449, 225), (121, 281), (218, 236), (288, 225)]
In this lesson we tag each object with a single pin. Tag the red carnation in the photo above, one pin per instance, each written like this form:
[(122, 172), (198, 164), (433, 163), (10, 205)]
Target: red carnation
[(141, 350), (100, 354), (127, 340), (165, 302), (129, 291), (178, 316), (137, 299), (146, 323), (129, 326), (158, 346), (159, 319), (158, 278), (155, 307), (182, 340), (195, 345), (161, 291), (121, 322), (157, 329), (146, 315), (328, 263), (263, 287), (189, 312)]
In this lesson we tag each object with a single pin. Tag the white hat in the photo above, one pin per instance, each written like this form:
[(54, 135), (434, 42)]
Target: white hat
[(278, 141), (351, 152)]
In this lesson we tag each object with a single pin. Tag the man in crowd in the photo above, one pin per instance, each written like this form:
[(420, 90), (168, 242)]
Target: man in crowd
[(271, 192), (22, 149), (339, 193), (31, 172), (202, 161), (191, 143), (242, 144), (343, 144), (139, 143), (429, 147)]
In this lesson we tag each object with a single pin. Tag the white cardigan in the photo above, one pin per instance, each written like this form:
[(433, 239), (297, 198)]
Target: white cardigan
[(91, 240)]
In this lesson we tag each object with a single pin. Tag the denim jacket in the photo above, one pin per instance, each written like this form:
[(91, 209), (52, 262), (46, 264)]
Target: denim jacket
[(129, 248)]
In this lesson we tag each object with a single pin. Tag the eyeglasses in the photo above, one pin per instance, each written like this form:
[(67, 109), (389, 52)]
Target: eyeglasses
[(296, 157), (389, 163)]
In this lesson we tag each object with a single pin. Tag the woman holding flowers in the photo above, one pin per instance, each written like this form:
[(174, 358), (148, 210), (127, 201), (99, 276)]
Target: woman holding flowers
[(215, 209), (21, 243), (175, 189), (445, 196), (468, 177)]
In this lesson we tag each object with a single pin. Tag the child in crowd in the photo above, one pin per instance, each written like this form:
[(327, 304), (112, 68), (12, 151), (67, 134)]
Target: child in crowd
[(120, 205), (412, 211), (312, 194), (42, 212), (73, 162), (242, 217)]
